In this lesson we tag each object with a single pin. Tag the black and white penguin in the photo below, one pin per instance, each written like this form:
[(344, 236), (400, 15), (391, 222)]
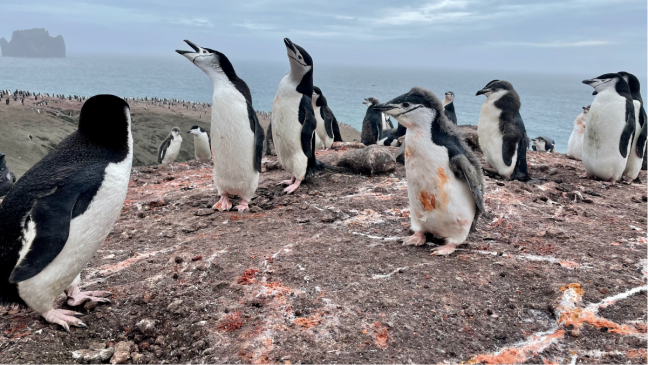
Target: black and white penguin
[(236, 135), (575, 143), (7, 178), (202, 143), (268, 143), (55, 217), (386, 122), (501, 131), (635, 159), (448, 107), (372, 125), (170, 147), (543, 144), (324, 119), (609, 129), (445, 185), (390, 136)]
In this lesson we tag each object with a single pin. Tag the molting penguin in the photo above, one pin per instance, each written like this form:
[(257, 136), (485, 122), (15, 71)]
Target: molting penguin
[(543, 144), (575, 143), (609, 128), (501, 131), (635, 159), (448, 107), (55, 217), (7, 178), (444, 181), (170, 147), (372, 125), (236, 135), (324, 119), (202, 143)]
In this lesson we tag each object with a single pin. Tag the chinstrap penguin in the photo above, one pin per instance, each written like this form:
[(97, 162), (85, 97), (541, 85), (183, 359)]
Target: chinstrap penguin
[(202, 143), (543, 144), (170, 147), (324, 118), (55, 217), (448, 107), (445, 185), (236, 135), (501, 131), (7, 178), (390, 137), (609, 128), (635, 158), (575, 143), (372, 125)]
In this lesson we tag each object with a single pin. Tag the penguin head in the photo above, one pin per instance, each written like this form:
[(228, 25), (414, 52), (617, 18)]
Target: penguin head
[(371, 101), (632, 80), (213, 63), (449, 96), (603, 82), (300, 61), (106, 120), (175, 132), (418, 107), (316, 93), (586, 109), (495, 86), (196, 130)]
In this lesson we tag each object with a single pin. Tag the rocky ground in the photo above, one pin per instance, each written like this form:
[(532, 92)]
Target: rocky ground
[(557, 274)]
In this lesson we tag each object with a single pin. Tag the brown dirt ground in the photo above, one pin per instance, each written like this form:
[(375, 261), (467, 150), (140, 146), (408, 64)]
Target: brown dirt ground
[(320, 277)]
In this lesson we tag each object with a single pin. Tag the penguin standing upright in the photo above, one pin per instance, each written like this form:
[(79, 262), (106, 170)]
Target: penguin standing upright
[(55, 217), (609, 128), (7, 178), (325, 120), (372, 125), (635, 159), (501, 131), (170, 148), (448, 107), (202, 143), (236, 135), (575, 143), (445, 185)]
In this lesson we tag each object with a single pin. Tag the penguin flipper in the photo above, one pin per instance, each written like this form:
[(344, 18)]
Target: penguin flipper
[(461, 166), (520, 172), (629, 129), (259, 136), (337, 137), (641, 142), (328, 121), (308, 122), (163, 147)]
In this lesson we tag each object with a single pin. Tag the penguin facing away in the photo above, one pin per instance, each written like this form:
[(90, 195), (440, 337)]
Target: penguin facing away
[(543, 144), (170, 147), (202, 143), (236, 135), (55, 217), (609, 128), (448, 107), (7, 178), (445, 185), (501, 131), (324, 127), (372, 123), (575, 143), (635, 158)]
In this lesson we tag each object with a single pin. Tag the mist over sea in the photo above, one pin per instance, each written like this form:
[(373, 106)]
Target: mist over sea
[(550, 103)]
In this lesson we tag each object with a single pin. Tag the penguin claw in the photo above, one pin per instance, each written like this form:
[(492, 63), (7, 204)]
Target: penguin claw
[(291, 188), (223, 204), (444, 250), (64, 318), (417, 239)]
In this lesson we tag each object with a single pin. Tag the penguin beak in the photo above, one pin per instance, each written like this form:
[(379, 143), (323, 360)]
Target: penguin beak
[(289, 45), (588, 82), (383, 107), (481, 92), (191, 56)]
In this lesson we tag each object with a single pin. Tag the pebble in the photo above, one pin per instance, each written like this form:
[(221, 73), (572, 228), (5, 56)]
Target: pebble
[(146, 326), (204, 212), (122, 352)]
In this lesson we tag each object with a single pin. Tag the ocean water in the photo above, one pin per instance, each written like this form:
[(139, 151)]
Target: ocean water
[(550, 103)]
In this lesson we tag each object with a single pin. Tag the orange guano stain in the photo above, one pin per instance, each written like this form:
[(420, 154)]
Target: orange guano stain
[(516, 355), (381, 335), (428, 200)]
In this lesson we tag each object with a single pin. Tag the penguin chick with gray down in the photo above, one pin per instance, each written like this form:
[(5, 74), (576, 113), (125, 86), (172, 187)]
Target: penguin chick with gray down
[(575, 143), (170, 148), (445, 185), (7, 178), (543, 144), (325, 118), (202, 143), (237, 136), (372, 125), (57, 215), (448, 107), (635, 158), (609, 129), (501, 131)]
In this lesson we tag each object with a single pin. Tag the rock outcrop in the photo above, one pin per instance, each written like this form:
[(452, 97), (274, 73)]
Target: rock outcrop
[(35, 43)]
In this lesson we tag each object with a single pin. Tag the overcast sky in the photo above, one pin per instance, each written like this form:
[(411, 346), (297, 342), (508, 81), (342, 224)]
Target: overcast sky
[(570, 36)]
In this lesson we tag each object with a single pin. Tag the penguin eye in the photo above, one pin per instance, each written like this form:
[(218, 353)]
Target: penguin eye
[(204, 51), (405, 105), (300, 57)]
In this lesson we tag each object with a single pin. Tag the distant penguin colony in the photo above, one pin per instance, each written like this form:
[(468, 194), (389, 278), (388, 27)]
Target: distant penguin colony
[(372, 125), (501, 131), (448, 107), (170, 148), (543, 144), (202, 143), (575, 143), (54, 218), (638, 149)]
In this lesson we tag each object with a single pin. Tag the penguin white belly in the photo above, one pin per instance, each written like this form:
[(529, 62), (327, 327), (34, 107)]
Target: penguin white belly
[(490, 139), (633, 166), (172, 151), (603, 129), (286, 130), (575, 144), (326, 141), (201, 145), (439, 203), (87, 232), (233, 145)]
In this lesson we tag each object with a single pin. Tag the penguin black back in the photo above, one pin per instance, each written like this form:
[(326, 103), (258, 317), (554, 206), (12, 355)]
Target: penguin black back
[(372, 123)]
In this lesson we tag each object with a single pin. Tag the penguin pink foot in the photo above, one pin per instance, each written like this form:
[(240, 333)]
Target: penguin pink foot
[(287, 182), (291, 188), (77, 297), (444, 250), (64, 317), (417, 239), (243, 206), (223, 204)]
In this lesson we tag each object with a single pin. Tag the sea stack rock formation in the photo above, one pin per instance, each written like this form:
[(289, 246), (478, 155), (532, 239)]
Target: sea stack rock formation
[(33, 43)]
